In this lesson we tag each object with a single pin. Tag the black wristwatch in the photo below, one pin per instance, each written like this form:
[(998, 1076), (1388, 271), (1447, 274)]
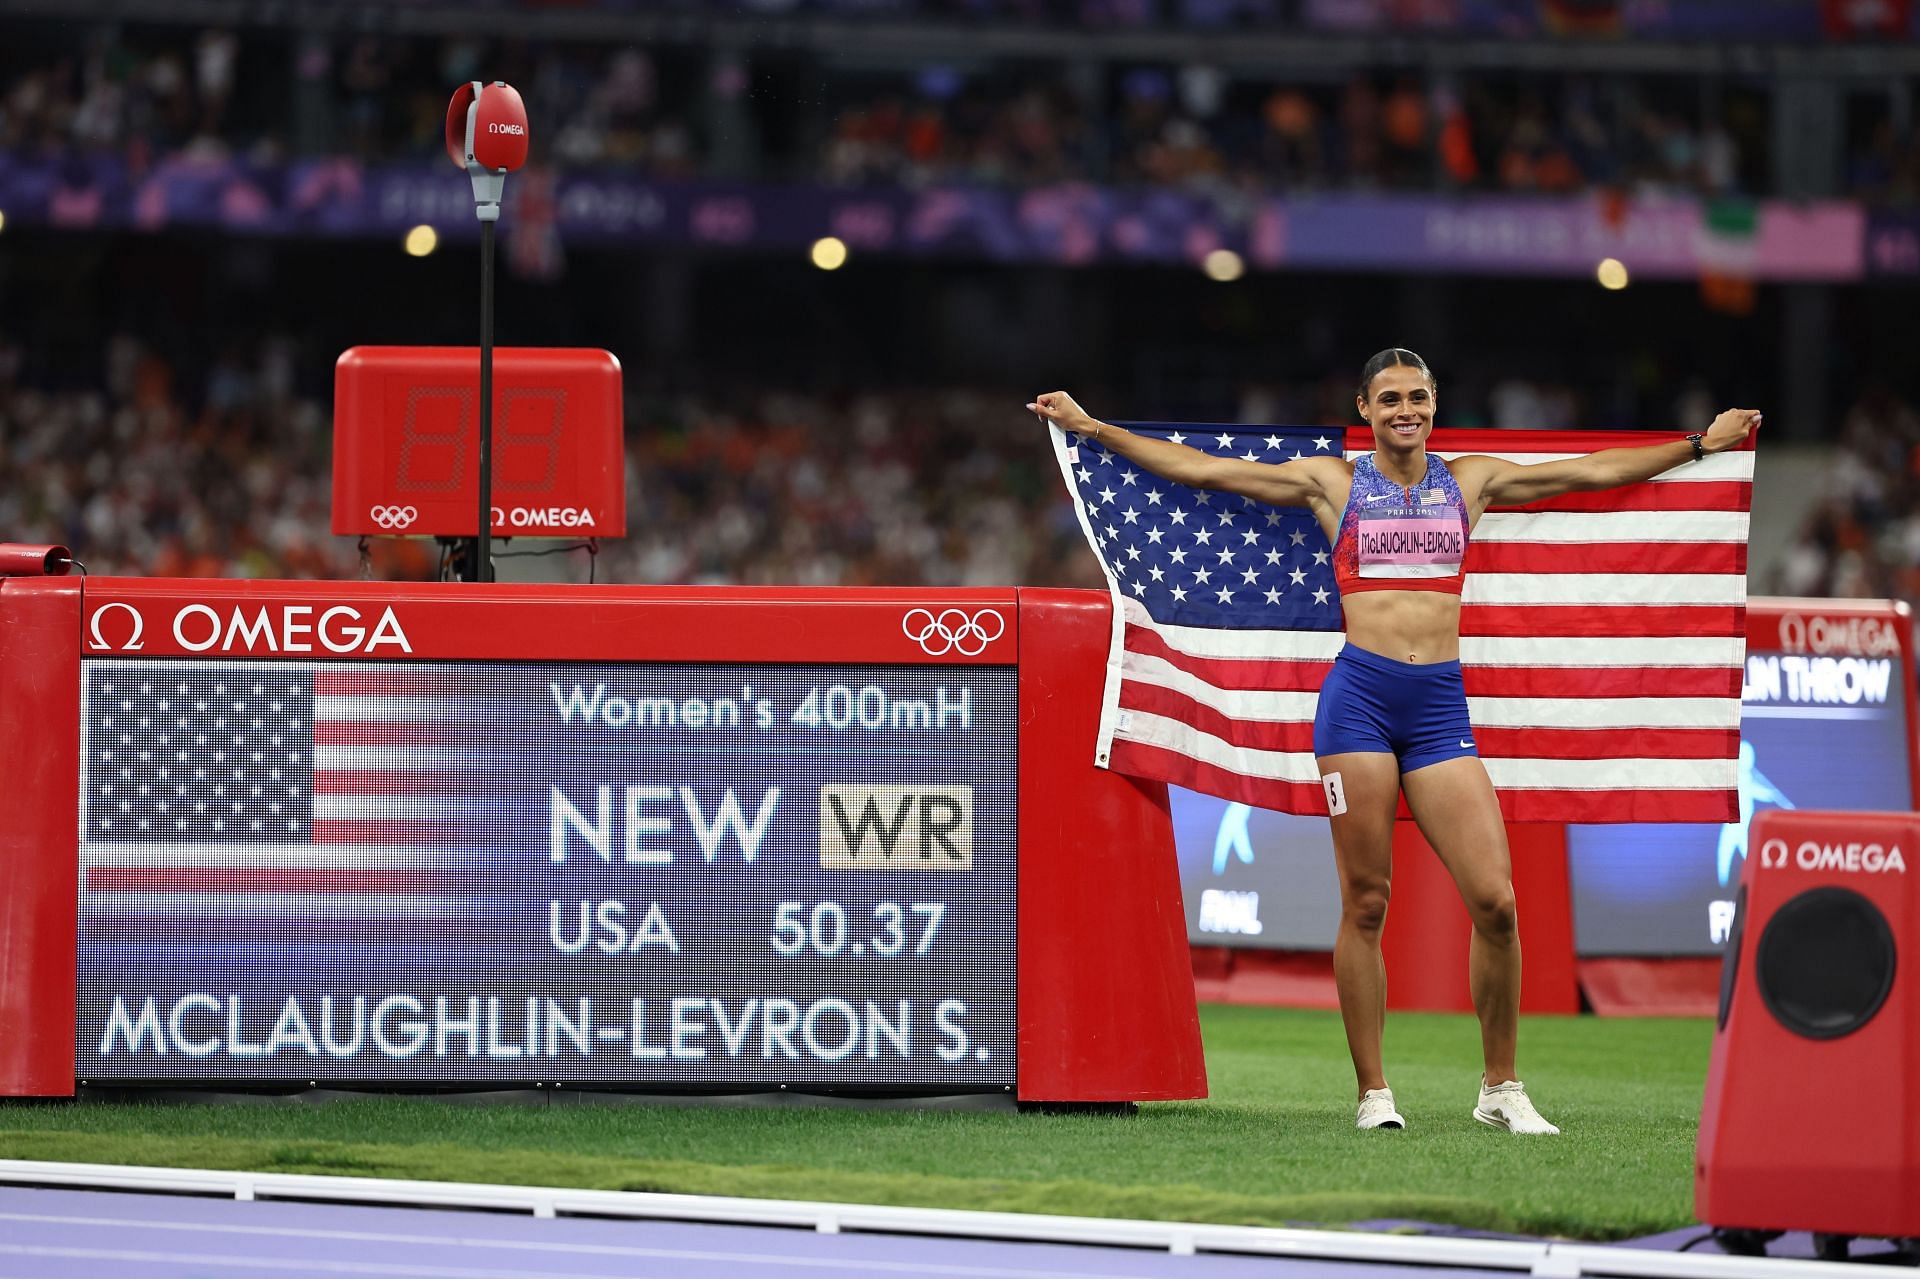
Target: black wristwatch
[(1699, 449)]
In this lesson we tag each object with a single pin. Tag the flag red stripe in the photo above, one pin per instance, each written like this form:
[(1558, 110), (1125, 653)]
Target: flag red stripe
[(1256, 734), (1601, 681), (1140, 760), (244, 879), (1606, 557), (1697, 495), (1619, 805), (1690, 621), (1607, 743), (380, 732)]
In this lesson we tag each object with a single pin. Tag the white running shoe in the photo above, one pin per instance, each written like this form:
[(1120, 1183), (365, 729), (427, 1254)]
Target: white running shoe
[(1376, 1110), (1507, 1106)]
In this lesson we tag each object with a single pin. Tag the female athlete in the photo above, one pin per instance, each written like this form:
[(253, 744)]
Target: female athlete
[(1392, 715)]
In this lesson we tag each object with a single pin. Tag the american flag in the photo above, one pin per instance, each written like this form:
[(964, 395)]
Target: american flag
[(1602, 634), (213, 787)]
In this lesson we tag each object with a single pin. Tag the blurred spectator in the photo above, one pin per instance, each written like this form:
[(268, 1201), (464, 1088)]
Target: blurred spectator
[(1525, 404), (1862, 537), (1885, 166)]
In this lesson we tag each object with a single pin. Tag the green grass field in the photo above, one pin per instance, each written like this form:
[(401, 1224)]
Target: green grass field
[(1274, 1145)]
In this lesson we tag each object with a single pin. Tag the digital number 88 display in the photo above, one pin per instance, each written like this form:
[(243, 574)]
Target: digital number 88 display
[(433, 453)]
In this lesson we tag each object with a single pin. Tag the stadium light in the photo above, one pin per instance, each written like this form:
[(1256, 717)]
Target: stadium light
[(1223, 265), (1612, 273), (421, 241), (829, 253)]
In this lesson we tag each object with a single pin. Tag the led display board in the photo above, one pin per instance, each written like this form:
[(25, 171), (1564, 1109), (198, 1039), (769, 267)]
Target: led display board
[(1825, 723), (644, 873), (1252, 877)]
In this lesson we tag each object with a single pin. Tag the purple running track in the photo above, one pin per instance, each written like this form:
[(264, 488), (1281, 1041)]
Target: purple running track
[(86, 1234)]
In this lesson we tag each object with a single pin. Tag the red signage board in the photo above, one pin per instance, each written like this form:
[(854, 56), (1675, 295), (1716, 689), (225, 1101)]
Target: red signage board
[(411, 621), (1827, 639)]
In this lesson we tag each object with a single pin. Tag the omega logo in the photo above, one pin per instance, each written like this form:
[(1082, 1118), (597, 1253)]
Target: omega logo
[(507, 128), (544, 516), (1866, 636), (1853, 858), (284, 628), (101, 644)]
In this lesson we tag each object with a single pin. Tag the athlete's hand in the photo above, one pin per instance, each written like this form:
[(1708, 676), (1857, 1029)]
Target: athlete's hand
[(1730, 429), (1059, 408)]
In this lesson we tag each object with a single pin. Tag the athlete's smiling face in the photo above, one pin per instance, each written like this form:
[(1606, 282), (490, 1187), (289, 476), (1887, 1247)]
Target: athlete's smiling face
[(1399, 407)]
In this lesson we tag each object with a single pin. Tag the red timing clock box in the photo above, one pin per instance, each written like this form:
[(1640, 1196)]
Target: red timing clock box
[(406, 442)]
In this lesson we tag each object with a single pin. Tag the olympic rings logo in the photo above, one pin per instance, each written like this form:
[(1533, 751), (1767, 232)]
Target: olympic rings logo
[(394, 517), (952, 631)]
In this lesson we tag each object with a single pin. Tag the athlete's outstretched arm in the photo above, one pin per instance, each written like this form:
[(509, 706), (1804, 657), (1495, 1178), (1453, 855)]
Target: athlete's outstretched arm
[(1295, 483), (1504, 483)]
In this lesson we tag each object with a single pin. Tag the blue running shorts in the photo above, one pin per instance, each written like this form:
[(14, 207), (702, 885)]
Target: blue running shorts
[(1373, 703)]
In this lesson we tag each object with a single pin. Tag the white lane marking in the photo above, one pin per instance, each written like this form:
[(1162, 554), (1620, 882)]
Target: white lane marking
[(555, 1246), (272, 1265)]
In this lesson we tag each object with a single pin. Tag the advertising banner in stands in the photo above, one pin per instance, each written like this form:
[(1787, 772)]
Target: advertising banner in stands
[(1070, 224)]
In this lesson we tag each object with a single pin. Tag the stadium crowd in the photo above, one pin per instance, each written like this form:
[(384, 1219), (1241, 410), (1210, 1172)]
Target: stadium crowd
[(1194, 127), (677, 112), (233, 479), (230, 477)]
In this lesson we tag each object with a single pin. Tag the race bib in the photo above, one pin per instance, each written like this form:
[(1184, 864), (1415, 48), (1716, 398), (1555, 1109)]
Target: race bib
[(1410, 542)]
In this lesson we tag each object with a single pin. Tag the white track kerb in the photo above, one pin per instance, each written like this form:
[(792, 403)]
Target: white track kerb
[(1561, 1260)]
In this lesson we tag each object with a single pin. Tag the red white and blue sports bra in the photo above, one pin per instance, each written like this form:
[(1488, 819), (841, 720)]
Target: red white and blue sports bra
[(1401, 539)]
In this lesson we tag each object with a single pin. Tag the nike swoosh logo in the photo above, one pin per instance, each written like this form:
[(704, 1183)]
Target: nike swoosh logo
[(1466, 744)]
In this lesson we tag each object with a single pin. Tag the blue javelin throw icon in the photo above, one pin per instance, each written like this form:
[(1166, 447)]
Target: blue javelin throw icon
[(1232, 838), (1752, 787)]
